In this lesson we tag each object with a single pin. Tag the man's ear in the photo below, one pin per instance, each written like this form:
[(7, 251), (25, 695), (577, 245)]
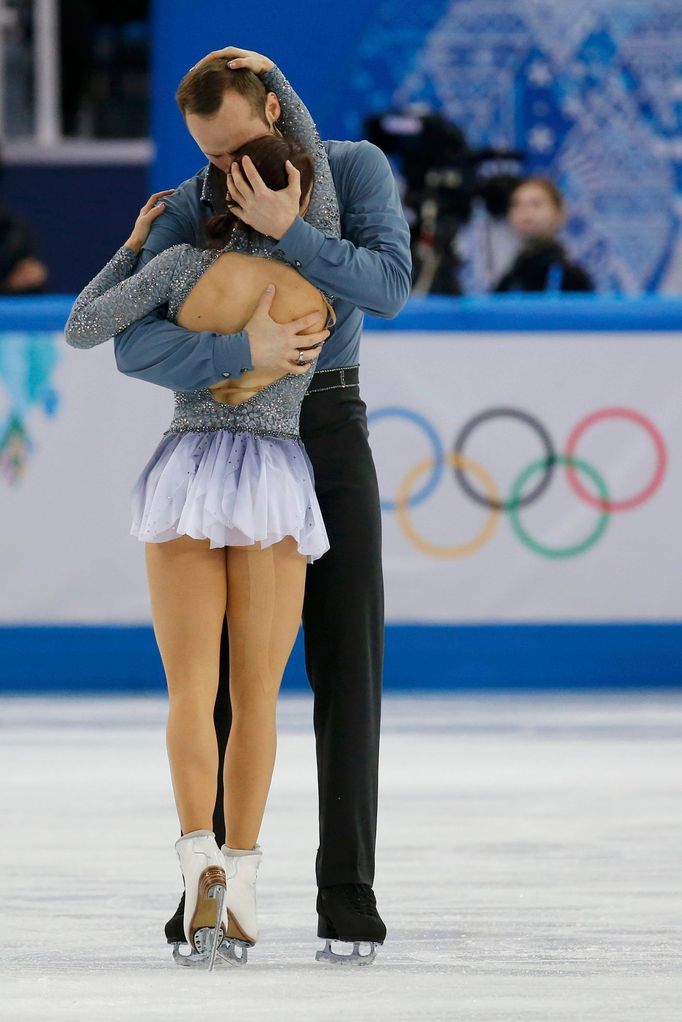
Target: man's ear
[(272, 108), (304, 201)]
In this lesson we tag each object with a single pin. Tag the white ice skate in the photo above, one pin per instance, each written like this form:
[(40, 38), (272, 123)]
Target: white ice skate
[(240, 921), (203, 868)]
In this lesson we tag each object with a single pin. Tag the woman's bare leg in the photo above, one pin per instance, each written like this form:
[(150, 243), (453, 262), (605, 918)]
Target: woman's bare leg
[(188, 589), (264, 602)]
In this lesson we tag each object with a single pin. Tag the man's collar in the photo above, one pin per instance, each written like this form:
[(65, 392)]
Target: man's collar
[(213, 189), (205, 186)]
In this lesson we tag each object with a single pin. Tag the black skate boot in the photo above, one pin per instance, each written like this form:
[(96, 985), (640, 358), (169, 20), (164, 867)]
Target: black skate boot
[(175, 931), (348, 912)]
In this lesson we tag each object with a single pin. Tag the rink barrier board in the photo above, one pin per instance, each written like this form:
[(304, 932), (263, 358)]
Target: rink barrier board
[(646, 654), (429, 658)]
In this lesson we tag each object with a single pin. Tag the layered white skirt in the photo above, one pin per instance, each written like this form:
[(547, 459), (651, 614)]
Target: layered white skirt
[(233, 489)]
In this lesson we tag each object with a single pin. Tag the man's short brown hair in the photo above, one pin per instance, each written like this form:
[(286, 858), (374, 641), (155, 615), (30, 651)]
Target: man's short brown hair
[(202, 89)]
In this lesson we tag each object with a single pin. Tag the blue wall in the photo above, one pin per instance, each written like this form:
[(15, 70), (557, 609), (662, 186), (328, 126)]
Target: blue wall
[(574, 96), (587, 95), (79, 215), (312, 43)]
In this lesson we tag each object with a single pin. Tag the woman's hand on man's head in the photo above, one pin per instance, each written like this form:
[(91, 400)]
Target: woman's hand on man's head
[(239, 58), (146, 217)]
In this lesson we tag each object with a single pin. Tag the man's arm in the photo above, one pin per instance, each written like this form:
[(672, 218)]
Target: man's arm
[(159, 351), (371, 266)]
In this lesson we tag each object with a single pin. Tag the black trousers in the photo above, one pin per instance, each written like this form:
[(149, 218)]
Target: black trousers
[(343, 622)]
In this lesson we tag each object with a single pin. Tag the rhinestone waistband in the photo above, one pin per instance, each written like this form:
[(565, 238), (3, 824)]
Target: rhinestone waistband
[(172, 430)]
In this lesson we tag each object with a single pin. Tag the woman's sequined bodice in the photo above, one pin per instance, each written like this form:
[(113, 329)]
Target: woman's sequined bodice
[(272, 411)]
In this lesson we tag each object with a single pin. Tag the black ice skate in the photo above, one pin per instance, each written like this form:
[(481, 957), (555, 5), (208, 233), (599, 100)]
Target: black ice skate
[(174, 928), (348, 913)]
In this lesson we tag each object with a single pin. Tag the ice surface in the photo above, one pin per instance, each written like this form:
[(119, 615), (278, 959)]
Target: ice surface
[(529, 867)]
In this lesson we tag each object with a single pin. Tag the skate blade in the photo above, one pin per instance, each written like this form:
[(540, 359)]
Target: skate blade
[(194, 959), (355, 958), (234, 952), (205, 952), (217, 894), (208, 931)]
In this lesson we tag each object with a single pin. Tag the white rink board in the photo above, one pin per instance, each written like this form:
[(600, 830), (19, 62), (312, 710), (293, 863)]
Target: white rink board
[(631, 573), (67, 556), (66, 551)]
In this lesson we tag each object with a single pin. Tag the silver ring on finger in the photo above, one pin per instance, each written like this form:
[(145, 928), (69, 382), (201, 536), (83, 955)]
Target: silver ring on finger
[(301, 361)]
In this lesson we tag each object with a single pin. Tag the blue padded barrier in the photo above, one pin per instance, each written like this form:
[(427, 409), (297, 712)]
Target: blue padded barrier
[(495, 313), (427, 657)]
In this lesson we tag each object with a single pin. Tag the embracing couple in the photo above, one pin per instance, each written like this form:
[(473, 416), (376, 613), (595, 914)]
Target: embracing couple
[(243, 290)]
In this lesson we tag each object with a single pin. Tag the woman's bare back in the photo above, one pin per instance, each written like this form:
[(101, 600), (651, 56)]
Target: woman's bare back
[(225, 297)]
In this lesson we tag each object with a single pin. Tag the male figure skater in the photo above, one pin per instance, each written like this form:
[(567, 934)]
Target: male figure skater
[(368, 270)]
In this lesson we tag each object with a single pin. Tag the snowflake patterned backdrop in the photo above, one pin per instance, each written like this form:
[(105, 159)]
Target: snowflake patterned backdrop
[(590, 90)]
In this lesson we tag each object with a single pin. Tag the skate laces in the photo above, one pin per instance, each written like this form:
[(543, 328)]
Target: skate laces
[(361, 897)]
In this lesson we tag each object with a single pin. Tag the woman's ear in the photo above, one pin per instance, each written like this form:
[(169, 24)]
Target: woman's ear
[(305, 200)]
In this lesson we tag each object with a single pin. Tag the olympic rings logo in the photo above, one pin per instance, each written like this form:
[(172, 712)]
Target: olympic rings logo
[(423, 479)]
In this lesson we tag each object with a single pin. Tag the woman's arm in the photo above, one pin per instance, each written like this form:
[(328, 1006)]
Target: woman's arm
[(110, 301), (118, 296), (297, 123), (158, 351)]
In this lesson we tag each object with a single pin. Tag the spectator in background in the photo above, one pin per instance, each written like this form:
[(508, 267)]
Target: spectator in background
[(537, 213), (21, 272)]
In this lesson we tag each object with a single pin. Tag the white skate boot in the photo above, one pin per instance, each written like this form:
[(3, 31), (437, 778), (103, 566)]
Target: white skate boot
[(203, 869), (240, 921)]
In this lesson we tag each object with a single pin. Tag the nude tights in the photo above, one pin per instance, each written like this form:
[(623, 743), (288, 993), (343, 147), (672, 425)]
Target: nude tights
[(192, 588)]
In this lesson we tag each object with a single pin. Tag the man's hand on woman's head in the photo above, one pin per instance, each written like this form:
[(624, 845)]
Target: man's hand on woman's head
[(277, 345), (268, 212), (146, 217), (239, 58)]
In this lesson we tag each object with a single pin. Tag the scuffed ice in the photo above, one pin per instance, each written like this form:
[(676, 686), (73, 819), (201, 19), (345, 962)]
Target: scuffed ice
[(529, 867)]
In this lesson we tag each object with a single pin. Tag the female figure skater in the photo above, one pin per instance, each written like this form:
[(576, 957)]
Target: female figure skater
[(228, 511)]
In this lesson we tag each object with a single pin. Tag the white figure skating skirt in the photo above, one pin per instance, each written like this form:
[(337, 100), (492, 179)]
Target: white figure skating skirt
[(233, 489)]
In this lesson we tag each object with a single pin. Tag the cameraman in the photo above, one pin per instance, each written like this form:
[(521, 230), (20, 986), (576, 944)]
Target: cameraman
[(537, 214)]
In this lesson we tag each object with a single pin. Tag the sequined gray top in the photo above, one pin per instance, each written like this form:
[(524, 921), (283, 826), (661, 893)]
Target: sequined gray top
[(118, 296)]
